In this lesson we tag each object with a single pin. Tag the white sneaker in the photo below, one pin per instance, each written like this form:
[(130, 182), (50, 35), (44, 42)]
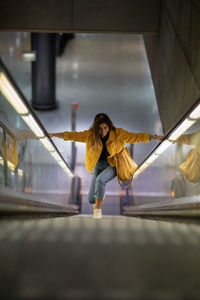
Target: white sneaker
[(97, 213)]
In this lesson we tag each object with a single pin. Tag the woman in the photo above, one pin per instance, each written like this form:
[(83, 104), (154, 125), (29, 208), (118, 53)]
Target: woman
[(190, 168), (100, 146)]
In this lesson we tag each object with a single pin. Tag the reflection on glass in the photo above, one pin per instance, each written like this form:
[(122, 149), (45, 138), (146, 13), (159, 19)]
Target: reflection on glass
[(173, 170), (190, 168), (2, 170), (196, 113), (186, 124), (15, 99), (29, 162), (11, 155), (47, 144), (33, 125), (11, 95)]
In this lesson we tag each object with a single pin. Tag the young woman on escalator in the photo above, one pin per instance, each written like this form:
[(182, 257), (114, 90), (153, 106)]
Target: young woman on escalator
[(100, 146)]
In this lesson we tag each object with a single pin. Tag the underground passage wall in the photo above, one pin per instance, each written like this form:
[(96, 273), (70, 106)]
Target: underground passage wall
[(174, 59)]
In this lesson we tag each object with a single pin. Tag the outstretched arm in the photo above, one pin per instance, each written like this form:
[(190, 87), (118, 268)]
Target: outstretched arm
[(131, 138), (57, 134), (77, 136), (189, 139)]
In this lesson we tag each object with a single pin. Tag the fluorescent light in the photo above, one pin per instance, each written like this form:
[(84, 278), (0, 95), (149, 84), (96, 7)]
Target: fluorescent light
[(55, 156), (151, 158), (11, 95), (162, 147), (33, 125), (20, 172), (75, 65), (181, 129), (136, 173), (10, 166), (65, 168), (47, 144), (186, 124), (1, 161), (29, 55), (68, 171), (143, 167), (62, 164), (196, 113)]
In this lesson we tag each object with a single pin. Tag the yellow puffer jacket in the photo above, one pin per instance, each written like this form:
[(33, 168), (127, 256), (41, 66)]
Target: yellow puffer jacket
[(123, 137)]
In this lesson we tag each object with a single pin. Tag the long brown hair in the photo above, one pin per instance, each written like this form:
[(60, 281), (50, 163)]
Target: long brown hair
[(99, 119)]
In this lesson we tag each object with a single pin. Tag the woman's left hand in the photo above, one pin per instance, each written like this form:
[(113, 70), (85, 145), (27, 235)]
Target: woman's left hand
[(157, 137)]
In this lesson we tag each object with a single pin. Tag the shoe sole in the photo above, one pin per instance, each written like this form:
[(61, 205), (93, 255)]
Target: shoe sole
[(98, 215)]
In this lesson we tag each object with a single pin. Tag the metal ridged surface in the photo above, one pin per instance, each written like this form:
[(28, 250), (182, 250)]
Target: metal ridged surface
[(111, 258)]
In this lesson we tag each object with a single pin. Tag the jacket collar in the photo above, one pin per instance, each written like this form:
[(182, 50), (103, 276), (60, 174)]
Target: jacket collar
[(111, 136)]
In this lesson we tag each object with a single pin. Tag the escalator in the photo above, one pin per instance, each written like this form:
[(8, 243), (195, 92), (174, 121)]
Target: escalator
[(112, 258), (48, 250), (28, 156)]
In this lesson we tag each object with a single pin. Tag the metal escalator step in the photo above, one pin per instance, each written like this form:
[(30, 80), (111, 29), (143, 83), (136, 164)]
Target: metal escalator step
[(115, 257)]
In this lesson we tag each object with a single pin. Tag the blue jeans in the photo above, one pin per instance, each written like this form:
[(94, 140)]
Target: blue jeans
[(102, 173)]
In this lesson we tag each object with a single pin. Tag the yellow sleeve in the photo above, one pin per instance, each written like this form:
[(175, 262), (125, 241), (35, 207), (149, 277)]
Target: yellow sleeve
[(77, 136), (132, 138), (189, 139)]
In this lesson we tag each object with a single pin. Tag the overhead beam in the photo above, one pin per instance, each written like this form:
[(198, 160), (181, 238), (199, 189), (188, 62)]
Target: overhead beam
[(112, 16)]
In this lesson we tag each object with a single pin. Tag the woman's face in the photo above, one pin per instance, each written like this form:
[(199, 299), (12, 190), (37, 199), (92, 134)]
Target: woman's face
[(103, 129)]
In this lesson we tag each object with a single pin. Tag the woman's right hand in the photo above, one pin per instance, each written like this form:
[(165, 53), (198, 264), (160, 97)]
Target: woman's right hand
[(57, 134), (50, 135)]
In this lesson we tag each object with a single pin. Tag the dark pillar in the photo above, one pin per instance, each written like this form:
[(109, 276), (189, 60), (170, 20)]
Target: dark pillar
[(74, 149), (44, 71)]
